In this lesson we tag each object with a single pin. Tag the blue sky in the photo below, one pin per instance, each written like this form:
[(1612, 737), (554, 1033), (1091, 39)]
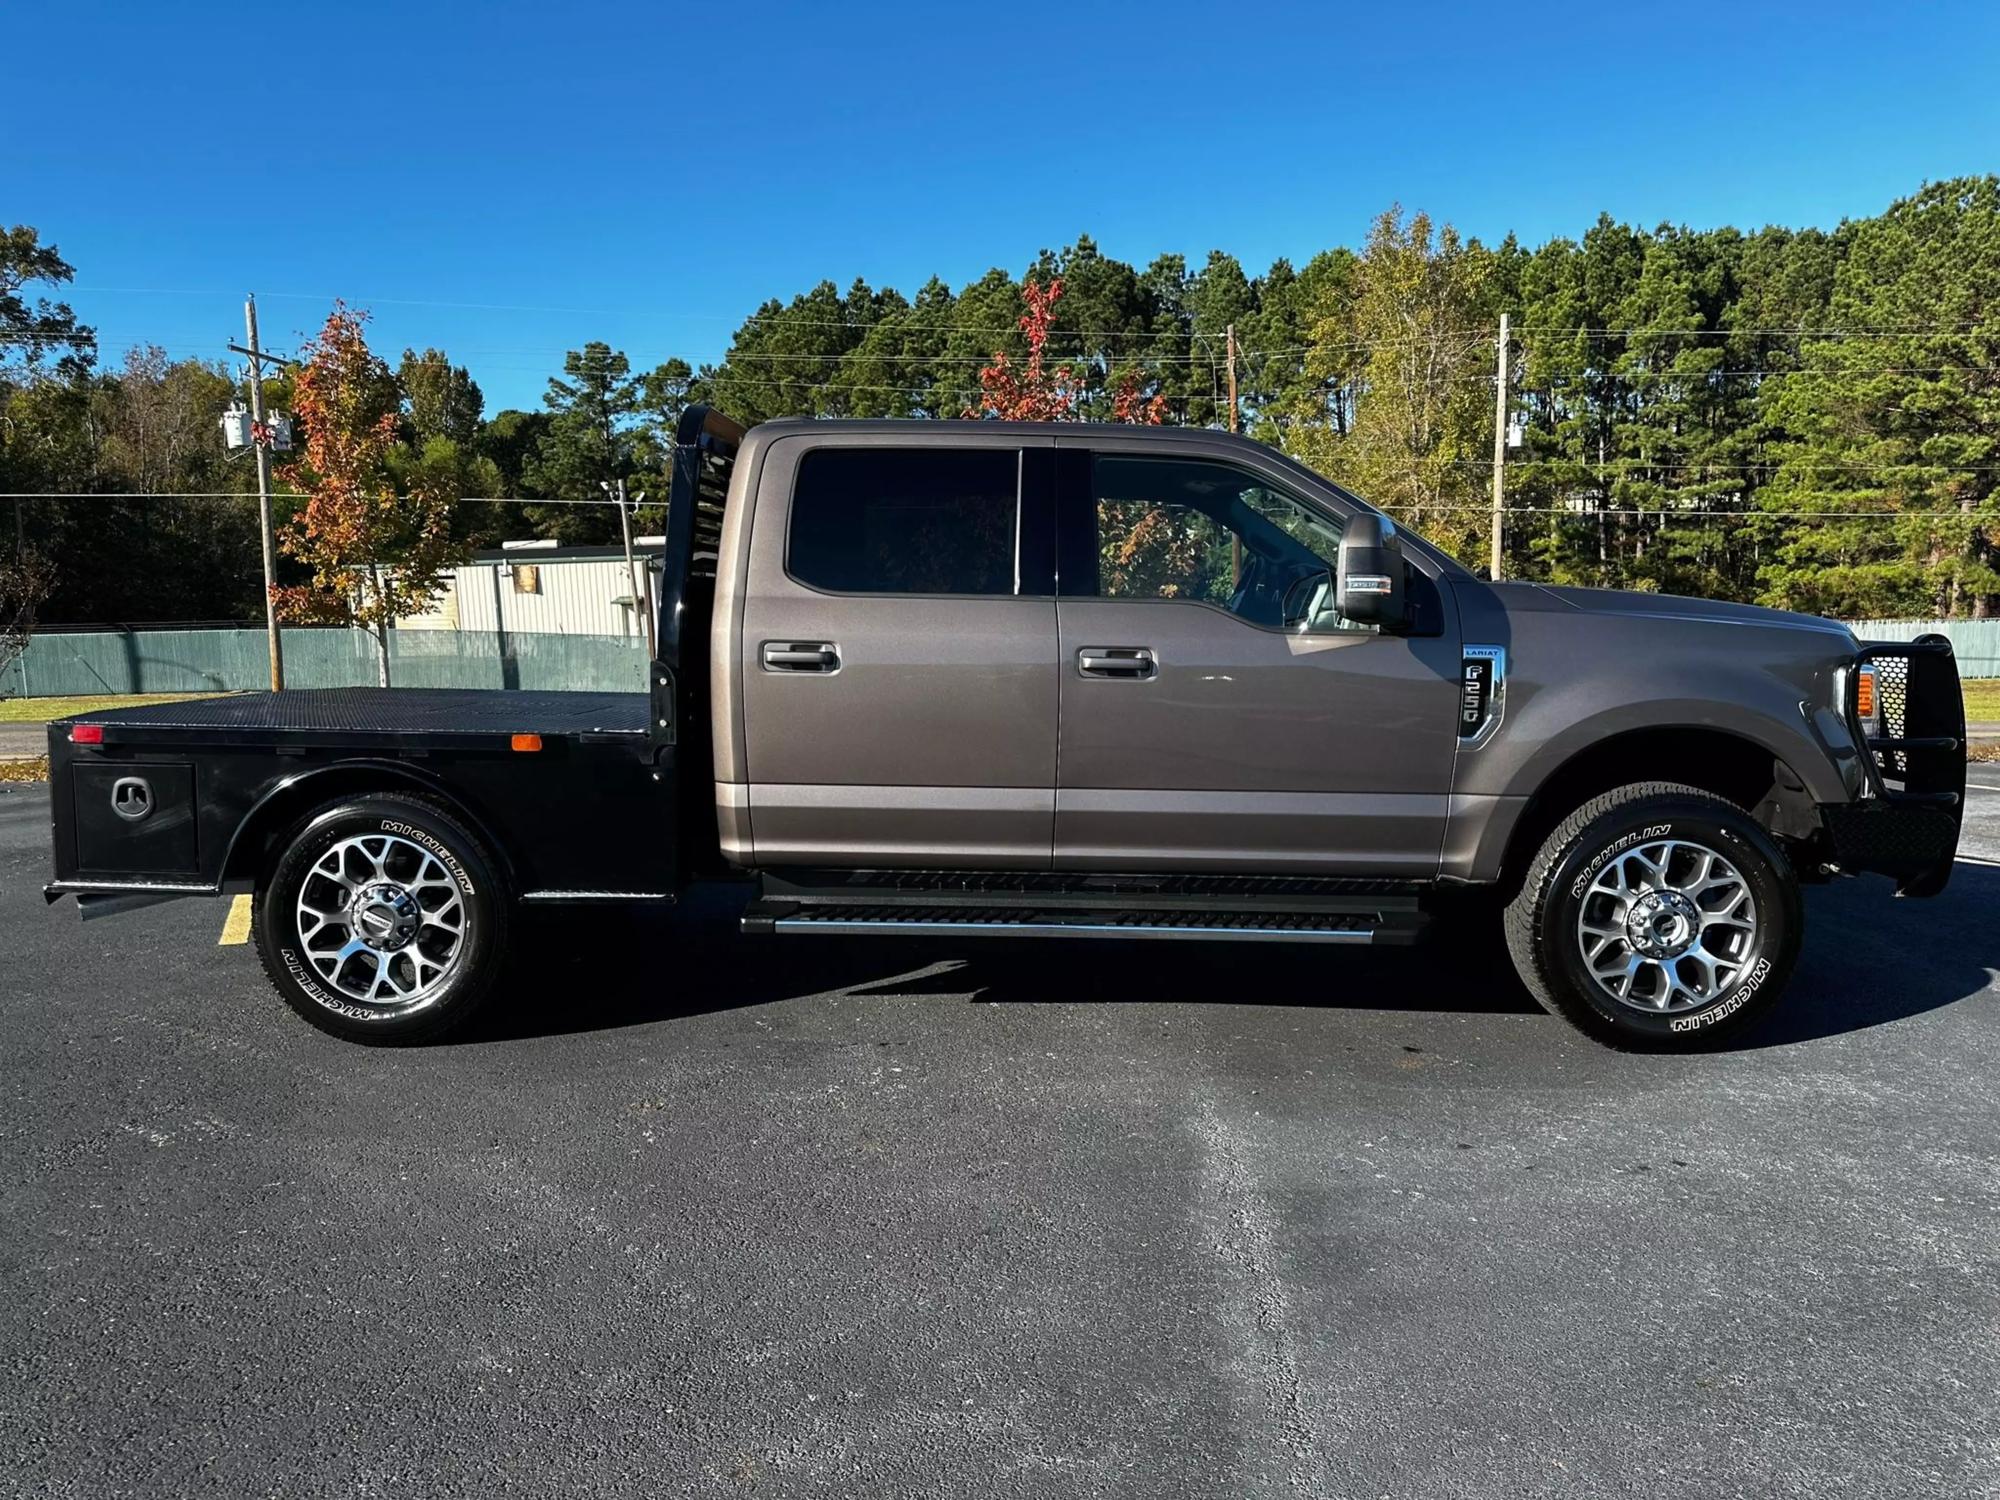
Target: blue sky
[(508, 180)]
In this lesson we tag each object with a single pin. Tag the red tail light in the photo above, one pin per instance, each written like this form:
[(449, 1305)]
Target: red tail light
[(86, 734)]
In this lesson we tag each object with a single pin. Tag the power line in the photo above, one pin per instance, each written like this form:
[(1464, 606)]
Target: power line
[(364, 299), (1170, 331), (351, 299), (1591, 513), (237, 495), (890, 356), (1772, 465), (1583, 510)]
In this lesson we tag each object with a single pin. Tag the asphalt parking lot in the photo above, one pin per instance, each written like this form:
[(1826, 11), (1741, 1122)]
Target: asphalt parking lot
[(694, 1215)]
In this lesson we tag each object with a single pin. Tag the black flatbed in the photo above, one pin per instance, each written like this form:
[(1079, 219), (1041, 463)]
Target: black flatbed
[(452, 715)]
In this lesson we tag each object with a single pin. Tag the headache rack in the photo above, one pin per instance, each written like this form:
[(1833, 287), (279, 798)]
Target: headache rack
[(1916, 765), (705, 444)]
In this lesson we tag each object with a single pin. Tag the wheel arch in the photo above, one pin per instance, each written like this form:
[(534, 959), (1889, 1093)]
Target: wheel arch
[(1734, 766), (281, 806)]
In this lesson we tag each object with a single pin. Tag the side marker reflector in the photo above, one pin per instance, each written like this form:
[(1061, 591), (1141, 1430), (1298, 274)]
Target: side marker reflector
[(527, 742), (86, 734)]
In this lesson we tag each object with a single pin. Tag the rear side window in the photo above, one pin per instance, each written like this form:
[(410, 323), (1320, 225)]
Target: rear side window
[(906, 520)]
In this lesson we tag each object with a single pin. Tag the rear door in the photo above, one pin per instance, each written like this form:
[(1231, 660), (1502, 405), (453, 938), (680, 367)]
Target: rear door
[(898, 654), (1202, 731)]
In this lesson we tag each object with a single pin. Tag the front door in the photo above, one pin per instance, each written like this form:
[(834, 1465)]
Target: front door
[(898, 655), (1215, 714)]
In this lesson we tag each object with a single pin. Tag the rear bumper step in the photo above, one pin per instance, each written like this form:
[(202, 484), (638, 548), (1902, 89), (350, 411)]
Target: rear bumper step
[(791, 918)]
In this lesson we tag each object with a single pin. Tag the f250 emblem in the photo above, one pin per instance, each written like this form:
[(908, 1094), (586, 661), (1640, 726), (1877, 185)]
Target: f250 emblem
[(1482, 680), (1474, 687), (132, 798)]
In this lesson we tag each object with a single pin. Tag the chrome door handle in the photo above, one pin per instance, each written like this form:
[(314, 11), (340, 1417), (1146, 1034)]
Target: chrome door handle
[(801, 656), (1129, 662)]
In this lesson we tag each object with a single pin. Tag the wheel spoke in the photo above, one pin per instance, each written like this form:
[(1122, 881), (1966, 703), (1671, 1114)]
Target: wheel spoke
[(399, 966), (449, 918), (1667, 926)]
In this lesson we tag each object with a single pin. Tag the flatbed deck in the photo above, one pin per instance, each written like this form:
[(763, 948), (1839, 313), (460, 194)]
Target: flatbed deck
[(451, 714)]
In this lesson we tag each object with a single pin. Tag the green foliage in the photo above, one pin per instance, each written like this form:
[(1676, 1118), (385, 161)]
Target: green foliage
[(1894, 435), (441, 400), (32, 328), (510, 441), (1405, 330)]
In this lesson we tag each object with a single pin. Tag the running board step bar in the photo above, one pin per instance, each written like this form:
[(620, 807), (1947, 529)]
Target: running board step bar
[(787, 917)]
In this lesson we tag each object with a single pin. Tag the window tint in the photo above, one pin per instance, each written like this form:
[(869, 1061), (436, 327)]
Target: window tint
[(1210, 533), (905, 520)]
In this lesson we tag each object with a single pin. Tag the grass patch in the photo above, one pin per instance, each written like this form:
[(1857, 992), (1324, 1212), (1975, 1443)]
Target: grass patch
[(41, 710), (1982, 699)]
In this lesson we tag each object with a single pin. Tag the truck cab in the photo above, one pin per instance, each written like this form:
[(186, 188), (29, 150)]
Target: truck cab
[(991, 679)]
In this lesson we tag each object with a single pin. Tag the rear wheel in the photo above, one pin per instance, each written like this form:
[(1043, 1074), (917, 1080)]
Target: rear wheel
[(1657, 917), (383, 921)]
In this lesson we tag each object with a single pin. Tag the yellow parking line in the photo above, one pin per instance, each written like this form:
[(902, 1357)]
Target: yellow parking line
[(236, 926)]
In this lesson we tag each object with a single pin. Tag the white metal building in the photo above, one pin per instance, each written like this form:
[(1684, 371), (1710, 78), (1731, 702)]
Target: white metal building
[(540, 588)]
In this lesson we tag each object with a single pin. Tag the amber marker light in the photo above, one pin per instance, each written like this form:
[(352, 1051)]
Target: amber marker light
[(1864, 693), (527, 742)]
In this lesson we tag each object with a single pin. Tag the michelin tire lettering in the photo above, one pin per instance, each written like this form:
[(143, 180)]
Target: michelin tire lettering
[(417, 835)]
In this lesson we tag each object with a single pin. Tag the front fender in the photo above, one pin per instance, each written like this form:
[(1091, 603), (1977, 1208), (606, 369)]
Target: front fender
[(1547, 741), (1575, 679)]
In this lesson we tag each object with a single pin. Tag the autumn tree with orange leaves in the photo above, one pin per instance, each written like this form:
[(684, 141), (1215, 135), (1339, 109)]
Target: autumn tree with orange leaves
[(378, 543), (1041, 391), (1139, 543)]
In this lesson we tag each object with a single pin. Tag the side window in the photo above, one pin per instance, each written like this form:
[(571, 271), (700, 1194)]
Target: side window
[(905, 520), (1213, 534)]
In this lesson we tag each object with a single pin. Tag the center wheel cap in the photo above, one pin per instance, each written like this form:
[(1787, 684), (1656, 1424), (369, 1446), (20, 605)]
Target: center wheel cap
[(1663, 924), (386, 916)]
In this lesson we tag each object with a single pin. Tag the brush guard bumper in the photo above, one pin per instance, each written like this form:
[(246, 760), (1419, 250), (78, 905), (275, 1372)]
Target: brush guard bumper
[(1906, 826)]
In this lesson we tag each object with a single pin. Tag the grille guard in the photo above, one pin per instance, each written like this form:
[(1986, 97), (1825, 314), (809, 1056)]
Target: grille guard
[(1908, 825)]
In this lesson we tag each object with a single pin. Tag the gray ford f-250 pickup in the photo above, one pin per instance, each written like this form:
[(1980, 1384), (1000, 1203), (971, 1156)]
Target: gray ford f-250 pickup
[(996, 679)]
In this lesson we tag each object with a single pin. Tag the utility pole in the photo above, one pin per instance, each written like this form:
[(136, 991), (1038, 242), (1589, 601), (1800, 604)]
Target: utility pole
[(1229, 343), (260, 440), (1235, 541), (1499, 454), (640, 593)]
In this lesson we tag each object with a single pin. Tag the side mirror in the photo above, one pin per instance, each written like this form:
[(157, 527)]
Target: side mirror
[(1369, 587)]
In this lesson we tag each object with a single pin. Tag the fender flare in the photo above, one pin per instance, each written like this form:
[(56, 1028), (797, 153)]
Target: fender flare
[(395, 771)]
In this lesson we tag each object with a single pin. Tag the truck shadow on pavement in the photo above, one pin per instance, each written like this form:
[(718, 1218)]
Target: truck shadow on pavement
[(623, 969)]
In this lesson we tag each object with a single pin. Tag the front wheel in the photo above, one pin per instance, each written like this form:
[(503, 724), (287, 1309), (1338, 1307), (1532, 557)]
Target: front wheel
[(383, 921), (1658, 917)]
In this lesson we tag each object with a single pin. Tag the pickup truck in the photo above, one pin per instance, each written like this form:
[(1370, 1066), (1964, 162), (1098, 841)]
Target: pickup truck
[(992, 679)]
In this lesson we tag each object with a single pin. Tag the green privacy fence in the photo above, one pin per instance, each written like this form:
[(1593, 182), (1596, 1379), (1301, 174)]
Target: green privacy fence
[(1976, 643), (196, 661)]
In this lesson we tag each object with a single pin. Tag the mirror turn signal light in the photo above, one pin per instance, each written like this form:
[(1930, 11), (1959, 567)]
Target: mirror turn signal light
[(527, 742)]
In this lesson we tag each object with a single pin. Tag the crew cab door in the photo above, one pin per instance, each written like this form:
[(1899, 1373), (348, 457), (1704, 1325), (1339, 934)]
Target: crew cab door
[(898, 653), (1200, 731)]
